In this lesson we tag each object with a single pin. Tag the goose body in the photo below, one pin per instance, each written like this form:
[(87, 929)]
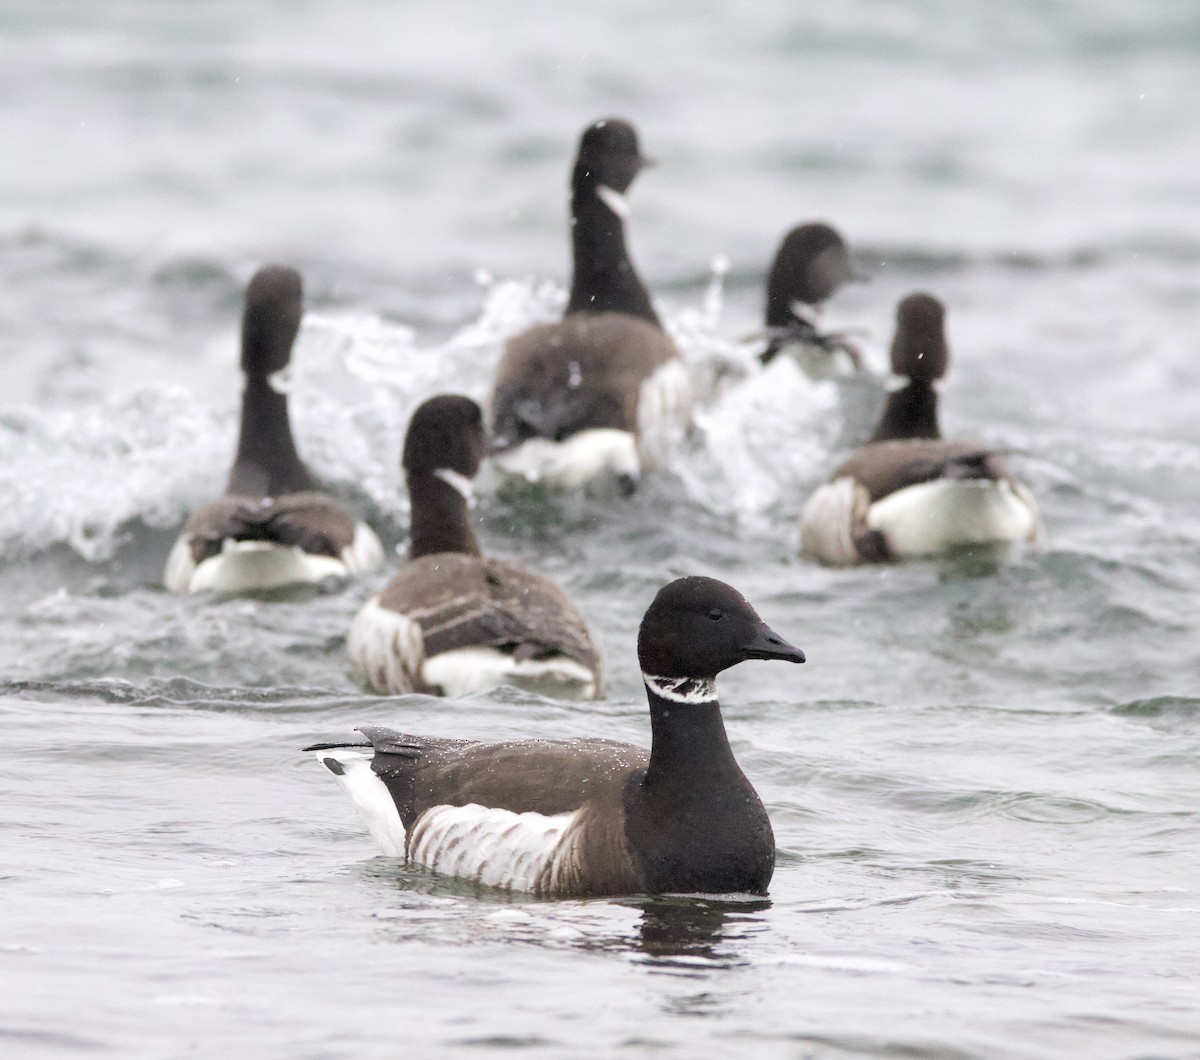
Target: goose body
[(273, 527), (812, 262), (239, 544), (601, 393), (452, 621), (589, 816), (910, 493)]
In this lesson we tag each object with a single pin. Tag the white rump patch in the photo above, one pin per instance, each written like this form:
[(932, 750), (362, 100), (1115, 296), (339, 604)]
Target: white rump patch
[(682, 689), (246, 566), (614, 200), (576, 461), (386, 650), (664, 411), (932, 517), (499, 848), (465, 670), (827, 522), (369, 795)]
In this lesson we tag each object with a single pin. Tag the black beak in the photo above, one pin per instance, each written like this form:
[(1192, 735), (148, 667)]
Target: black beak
[(767, 644), (646, 162)]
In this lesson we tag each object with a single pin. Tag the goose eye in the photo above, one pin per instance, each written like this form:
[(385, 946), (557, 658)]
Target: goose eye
[(715, 614)]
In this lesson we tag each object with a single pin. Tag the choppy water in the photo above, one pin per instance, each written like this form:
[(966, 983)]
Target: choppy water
[(985, 783)]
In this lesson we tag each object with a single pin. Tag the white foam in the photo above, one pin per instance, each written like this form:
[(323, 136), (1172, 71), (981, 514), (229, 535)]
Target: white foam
[(155, 452), (665, 408)]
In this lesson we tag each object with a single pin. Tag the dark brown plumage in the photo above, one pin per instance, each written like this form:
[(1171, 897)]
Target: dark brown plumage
[(811, 264), (448, 597), (885, 467), (679, 818), (312, 522), (270, 497), (871, 509), (466, 601), (556, 380), (920, 355)]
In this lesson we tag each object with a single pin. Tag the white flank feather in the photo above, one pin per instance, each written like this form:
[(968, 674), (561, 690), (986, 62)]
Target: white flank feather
[(465, 670), (180, 566), (931, 517), (369, 795), (365, 551), (576, 461), (826, 524), (499, 848), (665, 402), (386, 650)]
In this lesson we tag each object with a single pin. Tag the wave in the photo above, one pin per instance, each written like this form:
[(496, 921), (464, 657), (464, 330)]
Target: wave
[(79, 474)]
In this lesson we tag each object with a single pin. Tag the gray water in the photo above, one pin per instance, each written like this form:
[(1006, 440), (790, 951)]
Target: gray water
[(985, 783)]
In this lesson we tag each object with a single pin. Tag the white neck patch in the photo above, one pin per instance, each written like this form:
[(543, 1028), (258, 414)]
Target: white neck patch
[(461, 485), (810, 314), (899, 382), (281, 382), (682, 689), (614, 200)]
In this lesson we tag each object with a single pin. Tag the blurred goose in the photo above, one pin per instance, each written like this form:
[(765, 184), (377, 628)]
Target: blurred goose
[(273, 526), (452, 622), (812, 262), (590, 816), (601, 393), (909, 492)]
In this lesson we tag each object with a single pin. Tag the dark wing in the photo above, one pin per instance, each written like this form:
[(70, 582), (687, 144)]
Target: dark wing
[(885, 467), (463, 601), (524, 776), (584, 372), (311, 522)]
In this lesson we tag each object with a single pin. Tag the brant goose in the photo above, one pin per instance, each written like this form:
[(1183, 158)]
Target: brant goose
[(909, 492), (811, 264), (452, 622), (273, 527), (600, 393), (590, 816)]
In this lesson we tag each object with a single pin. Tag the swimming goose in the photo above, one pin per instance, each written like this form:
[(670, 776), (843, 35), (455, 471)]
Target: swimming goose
[(273, 526), (909, 492), (453, 622), (811, 264), (581, 817), (601, 393)]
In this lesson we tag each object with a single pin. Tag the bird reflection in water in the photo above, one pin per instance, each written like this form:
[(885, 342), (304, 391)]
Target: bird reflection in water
[(681, 930)]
